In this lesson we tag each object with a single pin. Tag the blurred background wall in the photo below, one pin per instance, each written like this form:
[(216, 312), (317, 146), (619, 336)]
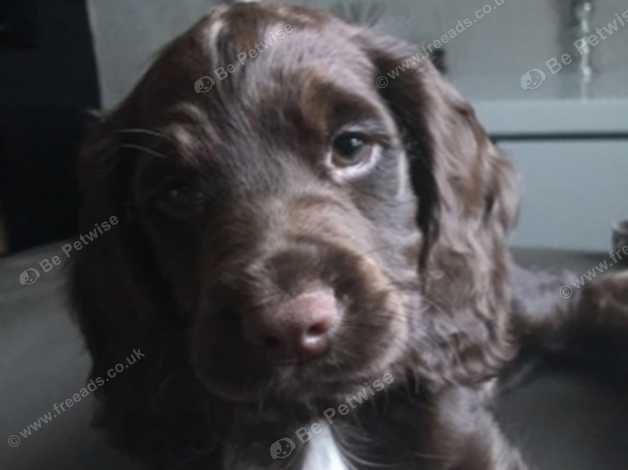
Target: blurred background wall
[(515, 35), (47, 80)]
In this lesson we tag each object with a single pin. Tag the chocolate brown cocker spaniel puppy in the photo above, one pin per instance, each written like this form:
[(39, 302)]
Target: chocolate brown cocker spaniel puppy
[(310, 218)]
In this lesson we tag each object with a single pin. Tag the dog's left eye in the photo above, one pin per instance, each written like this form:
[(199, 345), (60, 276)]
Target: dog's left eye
[(350, 149)]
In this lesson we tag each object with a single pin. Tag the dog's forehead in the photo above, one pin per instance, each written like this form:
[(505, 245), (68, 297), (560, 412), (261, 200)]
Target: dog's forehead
[(274, 71), (248, 42), (246, 25)]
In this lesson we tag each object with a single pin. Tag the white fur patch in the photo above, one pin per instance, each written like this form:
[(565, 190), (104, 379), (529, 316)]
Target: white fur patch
[(323, 452), (211, 36), (403, 178)]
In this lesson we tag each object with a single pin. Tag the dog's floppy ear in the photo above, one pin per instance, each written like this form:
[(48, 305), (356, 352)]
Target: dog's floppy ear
[(468, 203), (106, 270), (122, 306)]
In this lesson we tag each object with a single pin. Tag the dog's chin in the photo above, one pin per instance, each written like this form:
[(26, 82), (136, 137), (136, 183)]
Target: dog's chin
[(232, 392), (290, 392)]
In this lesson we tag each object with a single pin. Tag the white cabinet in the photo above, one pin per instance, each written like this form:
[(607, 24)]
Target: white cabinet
[(572, 191)]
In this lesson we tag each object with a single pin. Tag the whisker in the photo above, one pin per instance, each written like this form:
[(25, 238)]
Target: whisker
[(426, 456), (139, 130), (147, 150)]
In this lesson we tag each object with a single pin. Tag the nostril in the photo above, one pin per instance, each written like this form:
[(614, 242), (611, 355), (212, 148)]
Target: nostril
[(315, 339), (317, 330)]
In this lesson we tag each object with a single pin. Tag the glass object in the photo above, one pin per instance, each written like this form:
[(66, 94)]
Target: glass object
[(583, 14)]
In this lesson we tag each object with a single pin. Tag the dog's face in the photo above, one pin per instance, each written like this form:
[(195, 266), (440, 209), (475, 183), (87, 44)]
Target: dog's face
[(281, 209), (285, 213)]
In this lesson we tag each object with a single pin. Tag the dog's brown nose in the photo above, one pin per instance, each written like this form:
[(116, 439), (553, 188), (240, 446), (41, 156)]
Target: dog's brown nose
[(299, 329)]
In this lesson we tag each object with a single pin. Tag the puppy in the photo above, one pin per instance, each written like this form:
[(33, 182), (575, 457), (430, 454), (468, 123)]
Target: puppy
[(311, 218)]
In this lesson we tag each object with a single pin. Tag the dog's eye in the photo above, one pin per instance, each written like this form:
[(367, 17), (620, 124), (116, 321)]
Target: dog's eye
[(181, 200), (184, 195), (351, 148)]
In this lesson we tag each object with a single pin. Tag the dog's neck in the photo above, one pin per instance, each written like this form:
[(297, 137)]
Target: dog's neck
[(323, 452), (320, 452), (363, 439)]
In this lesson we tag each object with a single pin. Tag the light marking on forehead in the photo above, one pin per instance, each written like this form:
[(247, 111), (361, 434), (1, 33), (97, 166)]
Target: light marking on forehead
[(212, 34)]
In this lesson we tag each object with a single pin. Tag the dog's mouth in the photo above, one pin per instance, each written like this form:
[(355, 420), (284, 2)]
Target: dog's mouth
[(292, 386), (244, 377)]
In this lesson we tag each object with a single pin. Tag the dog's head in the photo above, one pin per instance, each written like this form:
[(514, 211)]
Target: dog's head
[(303, 206)]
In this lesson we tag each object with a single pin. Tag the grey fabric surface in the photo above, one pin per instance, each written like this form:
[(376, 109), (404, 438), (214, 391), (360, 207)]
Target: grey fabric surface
[(565, 421), (562, 421), (43, 362)]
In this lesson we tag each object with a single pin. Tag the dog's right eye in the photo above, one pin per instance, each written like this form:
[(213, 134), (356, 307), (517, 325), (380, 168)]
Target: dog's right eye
[(181, 200), (185, 195), (350, 149)]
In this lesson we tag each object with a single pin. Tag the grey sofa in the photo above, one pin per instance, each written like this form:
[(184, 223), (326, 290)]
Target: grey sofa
[(43, 362), (561, 420)]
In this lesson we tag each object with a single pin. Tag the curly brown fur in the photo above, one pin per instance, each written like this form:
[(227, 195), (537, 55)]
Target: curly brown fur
[(414, 249)]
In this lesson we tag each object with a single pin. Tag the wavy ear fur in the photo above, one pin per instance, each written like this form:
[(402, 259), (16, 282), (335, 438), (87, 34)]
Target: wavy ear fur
[(468, 202), (121, 306)]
